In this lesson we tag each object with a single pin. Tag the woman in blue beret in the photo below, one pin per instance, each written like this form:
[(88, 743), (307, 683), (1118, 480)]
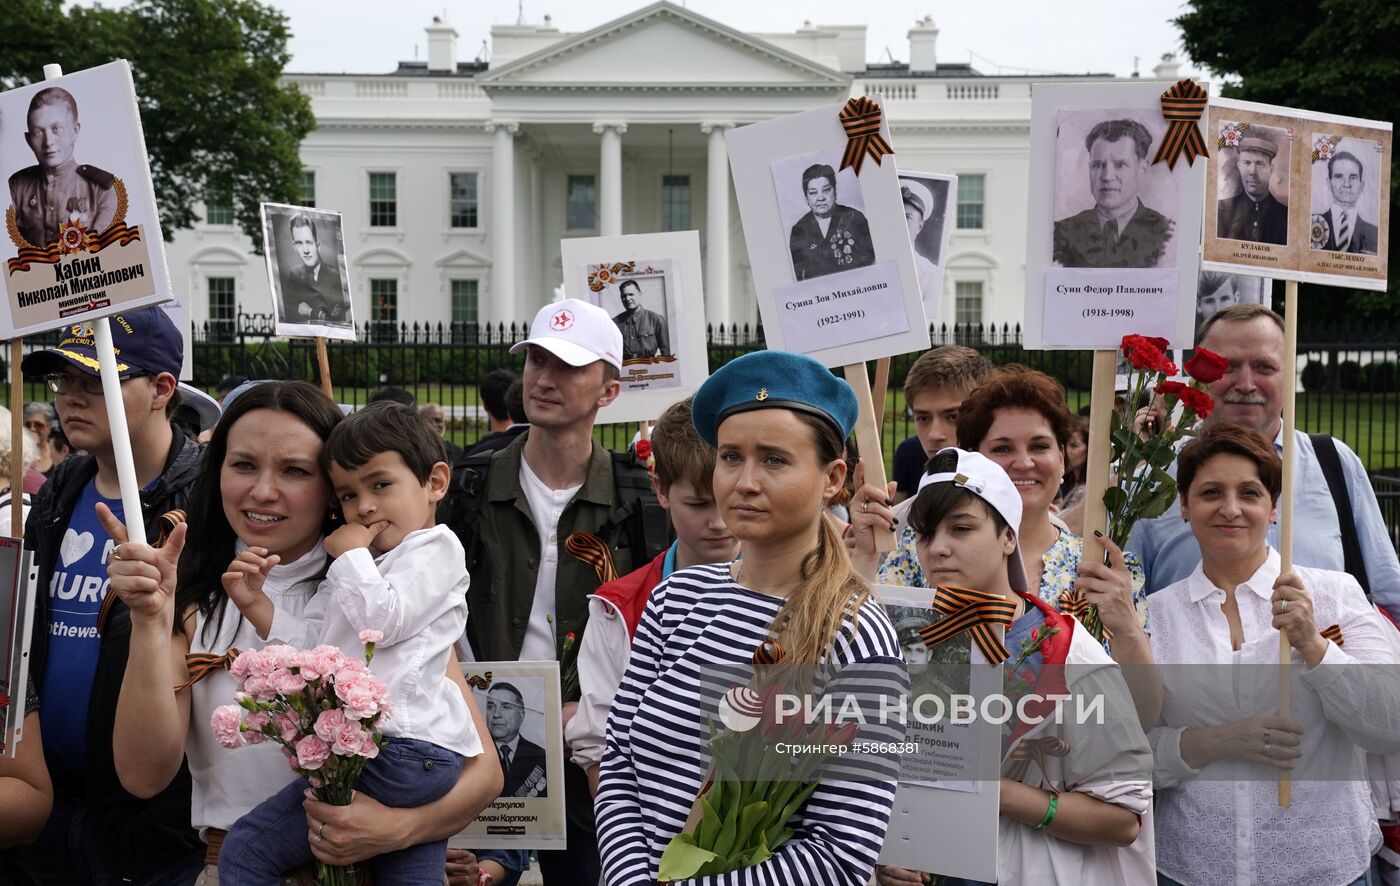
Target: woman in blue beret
[(778, 422)]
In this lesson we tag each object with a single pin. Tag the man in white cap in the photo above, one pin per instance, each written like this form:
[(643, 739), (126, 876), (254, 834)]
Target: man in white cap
[(918, 206), (515, 509)]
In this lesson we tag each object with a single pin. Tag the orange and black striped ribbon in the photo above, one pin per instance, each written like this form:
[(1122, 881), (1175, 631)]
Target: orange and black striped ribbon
[(861, 119), (768, 652), (202, 664), (594, 551), (1332, 632), (1038, 751), (1183, 105), (50, 255), (480, 681), (975, 612), (1076, 604)]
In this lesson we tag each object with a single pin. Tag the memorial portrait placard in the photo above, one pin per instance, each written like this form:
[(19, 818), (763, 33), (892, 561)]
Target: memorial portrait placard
[(1298, 195), (947, 806), (16, 624), (520, 702), (650, 285), (928, 199), (307, 267), (1112, 232), (82, 234), (833, 267)]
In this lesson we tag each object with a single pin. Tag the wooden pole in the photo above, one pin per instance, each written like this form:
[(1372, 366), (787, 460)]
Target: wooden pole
[(1285, 511), (17, 465), (323, 360), (868, 439), (1100, 453), (882, 386)]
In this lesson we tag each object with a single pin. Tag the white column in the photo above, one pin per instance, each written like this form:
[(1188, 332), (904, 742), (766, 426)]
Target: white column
[(503, 292), (717, 226), (537, 253), (610, 178)]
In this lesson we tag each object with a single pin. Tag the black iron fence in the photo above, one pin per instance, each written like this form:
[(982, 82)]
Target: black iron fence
[(1350, 375)]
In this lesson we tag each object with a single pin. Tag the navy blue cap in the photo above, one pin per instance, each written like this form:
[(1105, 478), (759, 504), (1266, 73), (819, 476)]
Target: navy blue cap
[(146, 341), (773, 380)]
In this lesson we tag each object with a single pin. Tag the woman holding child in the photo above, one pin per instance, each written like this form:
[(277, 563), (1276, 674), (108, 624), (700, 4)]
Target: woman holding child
[(778, 422), (264, 496)]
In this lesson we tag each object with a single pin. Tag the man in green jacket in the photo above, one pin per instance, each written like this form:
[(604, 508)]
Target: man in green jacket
[(528, 592)]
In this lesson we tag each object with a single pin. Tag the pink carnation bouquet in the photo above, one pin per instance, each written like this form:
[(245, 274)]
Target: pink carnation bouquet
[(323, 707)]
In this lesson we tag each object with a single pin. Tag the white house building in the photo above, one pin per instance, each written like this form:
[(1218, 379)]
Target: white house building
[(457, 179)]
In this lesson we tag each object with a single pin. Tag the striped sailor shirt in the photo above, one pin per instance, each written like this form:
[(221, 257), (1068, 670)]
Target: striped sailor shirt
[(698, 623)]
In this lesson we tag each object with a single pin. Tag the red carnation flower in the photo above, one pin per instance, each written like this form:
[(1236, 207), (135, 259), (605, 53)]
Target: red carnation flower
[(1206, 366), (643, 449), (1145, 353), (1197, 401), (1171, 388)]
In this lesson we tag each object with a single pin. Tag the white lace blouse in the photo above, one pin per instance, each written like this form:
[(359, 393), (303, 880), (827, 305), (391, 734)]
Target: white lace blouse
[(1222, 823), (229, 783)]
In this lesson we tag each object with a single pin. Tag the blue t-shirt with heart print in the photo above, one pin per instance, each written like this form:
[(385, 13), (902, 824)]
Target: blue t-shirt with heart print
[(75, 596)]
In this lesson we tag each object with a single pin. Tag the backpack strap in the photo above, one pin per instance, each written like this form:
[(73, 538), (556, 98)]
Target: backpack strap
[(1331, 463), (638, 512), (460, 511)]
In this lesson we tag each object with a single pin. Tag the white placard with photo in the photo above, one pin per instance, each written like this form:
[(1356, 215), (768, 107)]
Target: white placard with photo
[(520, 702), (928, 201), (828, 248), (1297, 195), (650, 285), (17, 581), (82, 233), (946, 816), (1112, 239), (306, 265)]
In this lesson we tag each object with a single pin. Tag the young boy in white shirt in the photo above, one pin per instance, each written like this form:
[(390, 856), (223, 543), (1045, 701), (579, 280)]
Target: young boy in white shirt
[(394, 572), (685, 465)]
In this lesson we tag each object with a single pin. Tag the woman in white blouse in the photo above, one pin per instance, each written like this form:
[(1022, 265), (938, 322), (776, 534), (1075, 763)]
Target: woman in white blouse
[(1221, 746), (262, 486)]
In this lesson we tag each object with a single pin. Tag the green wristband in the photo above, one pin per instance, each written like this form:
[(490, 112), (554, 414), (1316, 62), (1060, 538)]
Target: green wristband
[(1050, 812)]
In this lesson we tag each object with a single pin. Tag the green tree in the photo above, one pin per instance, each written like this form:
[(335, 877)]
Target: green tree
[(1336, 56), (207, 75)]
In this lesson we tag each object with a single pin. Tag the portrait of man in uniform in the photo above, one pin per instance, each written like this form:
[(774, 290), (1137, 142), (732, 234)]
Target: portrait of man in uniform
[(921, 210), (831, 237), (644, 332), (1254, 214), (57, 190), (312, 290), (1343, 229), (1120, 231)]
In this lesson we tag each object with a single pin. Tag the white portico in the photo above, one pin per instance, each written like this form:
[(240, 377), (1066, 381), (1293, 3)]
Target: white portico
[(651, 95), (457, 179)]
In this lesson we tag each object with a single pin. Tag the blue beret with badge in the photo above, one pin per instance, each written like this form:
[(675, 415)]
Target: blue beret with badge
[(773, 380)]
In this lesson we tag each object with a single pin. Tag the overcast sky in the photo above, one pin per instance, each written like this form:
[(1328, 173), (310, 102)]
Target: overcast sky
[(372, 36)]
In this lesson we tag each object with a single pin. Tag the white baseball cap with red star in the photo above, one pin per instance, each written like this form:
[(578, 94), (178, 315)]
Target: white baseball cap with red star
[(576, 332)]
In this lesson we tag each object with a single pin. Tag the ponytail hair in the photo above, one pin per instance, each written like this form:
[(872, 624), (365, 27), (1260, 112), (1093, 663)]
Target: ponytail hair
[(810, 617)]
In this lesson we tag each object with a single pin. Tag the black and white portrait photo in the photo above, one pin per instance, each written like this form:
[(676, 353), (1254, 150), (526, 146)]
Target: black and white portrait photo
[(1252, 185), (1217, 290), (1113, 207), (76, 199), (58, 189), (1346, 195), (513, 711), (305, 251), (926, 202), (823, 211), (640, 315)]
